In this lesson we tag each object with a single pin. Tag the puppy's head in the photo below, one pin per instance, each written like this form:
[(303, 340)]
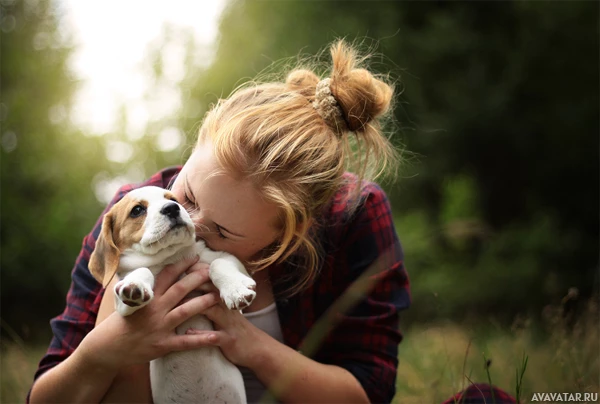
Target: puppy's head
[(147, 222)]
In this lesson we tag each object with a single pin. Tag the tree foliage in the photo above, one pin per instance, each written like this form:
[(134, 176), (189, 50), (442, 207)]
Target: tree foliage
[(46, 169), (497, 111)]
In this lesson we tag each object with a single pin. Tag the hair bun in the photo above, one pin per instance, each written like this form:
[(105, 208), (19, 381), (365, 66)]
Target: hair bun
[(361, 97), (303, 81)]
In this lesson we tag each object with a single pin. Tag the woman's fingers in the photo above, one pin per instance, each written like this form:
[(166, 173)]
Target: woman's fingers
[(207, 287), (180, 289), (170, 273), (199, 266), (215, 313), (193, 340), (210, 336), (190, 308)]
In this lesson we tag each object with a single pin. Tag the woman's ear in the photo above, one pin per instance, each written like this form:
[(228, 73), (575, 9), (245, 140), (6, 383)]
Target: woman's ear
[(104, 260)]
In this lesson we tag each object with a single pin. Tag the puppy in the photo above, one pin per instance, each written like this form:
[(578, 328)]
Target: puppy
[(141, 234)]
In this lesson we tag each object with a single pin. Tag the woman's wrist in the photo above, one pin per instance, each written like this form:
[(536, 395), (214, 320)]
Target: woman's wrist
[(260, 350), (98, 350)]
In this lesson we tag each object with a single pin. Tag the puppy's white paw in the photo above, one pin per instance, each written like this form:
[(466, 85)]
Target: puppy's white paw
[(134, 294), (238, 292)]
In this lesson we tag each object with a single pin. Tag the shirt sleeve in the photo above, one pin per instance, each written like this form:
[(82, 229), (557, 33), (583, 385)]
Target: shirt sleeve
[(79, 315), (370, 288)]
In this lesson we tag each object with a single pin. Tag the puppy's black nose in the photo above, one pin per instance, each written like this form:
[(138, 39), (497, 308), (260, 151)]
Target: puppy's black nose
[(171, 210)]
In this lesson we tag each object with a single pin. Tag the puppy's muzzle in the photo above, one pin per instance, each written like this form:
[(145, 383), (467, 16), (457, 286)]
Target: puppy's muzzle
[(171, 210)]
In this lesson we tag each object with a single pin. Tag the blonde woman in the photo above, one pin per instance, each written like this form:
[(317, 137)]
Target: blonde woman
[(266, 182)]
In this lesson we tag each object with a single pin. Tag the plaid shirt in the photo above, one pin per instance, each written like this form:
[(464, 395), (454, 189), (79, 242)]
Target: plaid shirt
[(362, 264)]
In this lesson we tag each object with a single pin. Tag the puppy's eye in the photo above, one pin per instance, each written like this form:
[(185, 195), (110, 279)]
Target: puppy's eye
[(137, 210)]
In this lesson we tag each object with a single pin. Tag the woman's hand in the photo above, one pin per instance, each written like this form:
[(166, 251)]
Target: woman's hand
[(239, 340), (150, 332), (234, 334)]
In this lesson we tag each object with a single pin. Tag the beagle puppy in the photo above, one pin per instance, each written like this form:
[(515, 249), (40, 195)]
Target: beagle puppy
[(141, 234)]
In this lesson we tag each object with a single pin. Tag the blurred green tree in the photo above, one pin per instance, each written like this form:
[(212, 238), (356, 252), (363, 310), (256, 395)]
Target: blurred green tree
[(47, 167)]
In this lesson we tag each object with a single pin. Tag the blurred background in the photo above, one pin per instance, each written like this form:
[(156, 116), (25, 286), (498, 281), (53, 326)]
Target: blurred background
[(498, 195)]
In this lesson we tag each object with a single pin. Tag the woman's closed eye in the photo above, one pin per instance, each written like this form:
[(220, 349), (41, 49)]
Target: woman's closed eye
[(187, 200), (190, 205), (220, 232), (205, 229)]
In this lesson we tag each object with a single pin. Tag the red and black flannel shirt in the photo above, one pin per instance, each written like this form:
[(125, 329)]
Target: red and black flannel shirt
[(360, 332)]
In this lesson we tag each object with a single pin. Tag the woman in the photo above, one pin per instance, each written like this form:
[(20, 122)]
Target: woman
[(267, 183)]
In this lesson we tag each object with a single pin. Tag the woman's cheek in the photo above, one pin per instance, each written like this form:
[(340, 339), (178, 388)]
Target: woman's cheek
[(216, 243), (243, 251), (238, 251)]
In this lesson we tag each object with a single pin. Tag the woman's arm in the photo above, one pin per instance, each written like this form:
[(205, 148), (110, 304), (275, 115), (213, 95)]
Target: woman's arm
[(114, 350), (295, 378), (132, 383)]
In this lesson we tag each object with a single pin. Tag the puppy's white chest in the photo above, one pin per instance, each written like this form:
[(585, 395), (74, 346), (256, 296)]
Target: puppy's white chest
[(198, 376)]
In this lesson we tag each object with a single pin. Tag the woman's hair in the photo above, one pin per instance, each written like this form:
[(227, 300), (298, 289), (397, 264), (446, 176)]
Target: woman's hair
[(294, 141)]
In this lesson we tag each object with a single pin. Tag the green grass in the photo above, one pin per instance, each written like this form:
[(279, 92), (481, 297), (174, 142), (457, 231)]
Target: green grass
[(438, 360), (18, 363)]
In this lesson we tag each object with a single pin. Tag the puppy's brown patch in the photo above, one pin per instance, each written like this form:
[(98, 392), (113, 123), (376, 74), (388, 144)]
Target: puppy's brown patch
[(119, 231), (129, 230)]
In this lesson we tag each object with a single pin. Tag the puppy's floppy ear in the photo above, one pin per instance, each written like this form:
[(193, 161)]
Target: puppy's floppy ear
[(104, 260)]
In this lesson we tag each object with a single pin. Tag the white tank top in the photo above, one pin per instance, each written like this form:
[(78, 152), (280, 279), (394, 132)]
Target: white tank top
[(267, 320)]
